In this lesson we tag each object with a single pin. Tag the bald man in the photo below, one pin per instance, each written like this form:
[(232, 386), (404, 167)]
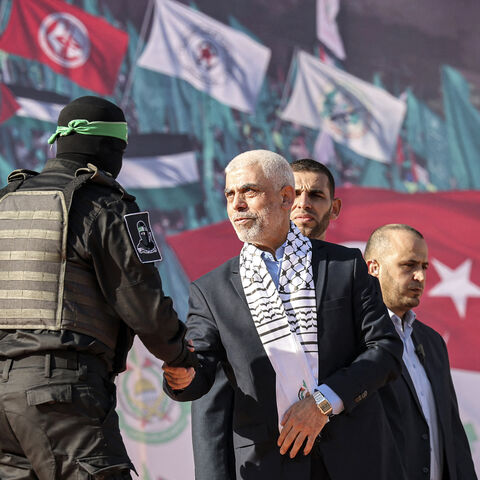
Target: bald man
[(421, 404)]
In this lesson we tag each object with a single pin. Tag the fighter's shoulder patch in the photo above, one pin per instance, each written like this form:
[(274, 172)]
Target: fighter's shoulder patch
[(141, 236)]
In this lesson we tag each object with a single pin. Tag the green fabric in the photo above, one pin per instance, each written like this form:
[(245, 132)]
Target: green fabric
[(426, 134), (84, 127), (463, 125)]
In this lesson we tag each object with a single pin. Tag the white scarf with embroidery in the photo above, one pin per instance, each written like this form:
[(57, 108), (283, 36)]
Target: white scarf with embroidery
[(285, 319)]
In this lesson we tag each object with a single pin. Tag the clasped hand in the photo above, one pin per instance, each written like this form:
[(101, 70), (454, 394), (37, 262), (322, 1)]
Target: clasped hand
[(303, 420), (179, 378)]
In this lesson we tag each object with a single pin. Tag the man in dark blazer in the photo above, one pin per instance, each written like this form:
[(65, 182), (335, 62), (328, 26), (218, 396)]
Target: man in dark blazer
[(315, 205), (356, 350), (421, 404)]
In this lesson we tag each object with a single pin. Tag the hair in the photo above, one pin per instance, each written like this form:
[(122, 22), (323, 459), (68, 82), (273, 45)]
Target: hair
[(310, 165), (274, 166), (379, 239)]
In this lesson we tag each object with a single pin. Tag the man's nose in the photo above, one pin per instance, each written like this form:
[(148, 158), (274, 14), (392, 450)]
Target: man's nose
[(239, 202), (420, 275), (302, 200)]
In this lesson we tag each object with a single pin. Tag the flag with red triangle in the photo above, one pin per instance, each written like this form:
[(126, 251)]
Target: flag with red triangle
[(8, 104)]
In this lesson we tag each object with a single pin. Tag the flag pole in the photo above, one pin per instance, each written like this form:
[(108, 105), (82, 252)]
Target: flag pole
[(140, 43), (287, 89)]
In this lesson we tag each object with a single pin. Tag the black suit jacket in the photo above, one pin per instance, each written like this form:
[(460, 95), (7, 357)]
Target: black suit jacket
[(406, 417), (359, 352)]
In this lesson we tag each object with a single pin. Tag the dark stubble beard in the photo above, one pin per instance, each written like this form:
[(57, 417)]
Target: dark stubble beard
[(320, 228)]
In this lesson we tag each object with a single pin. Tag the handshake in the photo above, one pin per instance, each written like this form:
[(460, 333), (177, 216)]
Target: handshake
[(179, 378)]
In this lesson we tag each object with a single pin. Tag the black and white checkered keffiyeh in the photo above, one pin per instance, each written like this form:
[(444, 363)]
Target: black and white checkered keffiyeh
[(285, 319)]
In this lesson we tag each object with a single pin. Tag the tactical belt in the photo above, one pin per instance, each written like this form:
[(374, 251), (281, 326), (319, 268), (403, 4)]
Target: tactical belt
[(49, 360)]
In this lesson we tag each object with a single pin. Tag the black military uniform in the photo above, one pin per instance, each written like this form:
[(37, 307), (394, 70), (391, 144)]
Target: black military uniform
[(74, 289)]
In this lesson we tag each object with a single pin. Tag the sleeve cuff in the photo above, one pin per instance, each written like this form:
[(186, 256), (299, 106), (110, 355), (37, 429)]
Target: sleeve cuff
[(335, 401)]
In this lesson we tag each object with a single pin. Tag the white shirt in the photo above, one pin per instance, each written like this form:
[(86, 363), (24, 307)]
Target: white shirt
[(423, 388)]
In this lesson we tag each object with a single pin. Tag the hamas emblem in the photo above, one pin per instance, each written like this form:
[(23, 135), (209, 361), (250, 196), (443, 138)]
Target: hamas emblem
[(343, 113), (145, 412), (141, 235), (205, 56), (64, 39)]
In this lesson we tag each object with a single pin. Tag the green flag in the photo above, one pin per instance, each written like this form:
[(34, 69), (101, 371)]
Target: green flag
[(426, 134), (463, 125)]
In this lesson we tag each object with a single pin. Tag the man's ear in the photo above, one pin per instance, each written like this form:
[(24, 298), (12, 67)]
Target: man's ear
[(288, 197), (373, 268), (336, 207)]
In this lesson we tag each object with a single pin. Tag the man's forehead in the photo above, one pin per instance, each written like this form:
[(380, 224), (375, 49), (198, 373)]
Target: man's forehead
[(311, 181), (238, 178), (407, 246)]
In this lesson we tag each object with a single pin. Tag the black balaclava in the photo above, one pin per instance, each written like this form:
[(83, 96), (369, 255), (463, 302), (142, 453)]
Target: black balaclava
[(104, 152)]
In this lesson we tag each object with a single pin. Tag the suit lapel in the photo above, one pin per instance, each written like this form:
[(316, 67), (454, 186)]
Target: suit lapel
[(409, 382), (237, 281), (319, 271)]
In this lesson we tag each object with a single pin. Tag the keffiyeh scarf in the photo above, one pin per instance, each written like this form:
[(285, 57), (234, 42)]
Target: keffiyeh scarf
[(285, 319)]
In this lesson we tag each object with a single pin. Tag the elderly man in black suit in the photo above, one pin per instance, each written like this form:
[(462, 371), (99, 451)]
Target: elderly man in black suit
[(421, 403), (304, 337), (314, 207)]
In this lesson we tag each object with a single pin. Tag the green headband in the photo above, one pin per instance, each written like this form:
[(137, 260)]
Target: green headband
[(84, 127)]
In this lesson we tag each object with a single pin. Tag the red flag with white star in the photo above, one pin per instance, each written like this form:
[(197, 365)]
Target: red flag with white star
[(450, 223), (8, 104), (83, 47)]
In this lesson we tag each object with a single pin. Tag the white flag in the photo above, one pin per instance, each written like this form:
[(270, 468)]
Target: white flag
[(365, 118), (214, 58), (324, 150), (164, 171), (327, 29), (47, 112)]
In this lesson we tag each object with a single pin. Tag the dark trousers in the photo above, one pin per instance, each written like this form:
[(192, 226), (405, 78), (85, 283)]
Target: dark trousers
[(318, 470), (58, 420)]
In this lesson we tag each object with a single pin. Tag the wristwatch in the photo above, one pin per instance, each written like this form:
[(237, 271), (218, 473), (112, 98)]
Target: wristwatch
[(322, 403)]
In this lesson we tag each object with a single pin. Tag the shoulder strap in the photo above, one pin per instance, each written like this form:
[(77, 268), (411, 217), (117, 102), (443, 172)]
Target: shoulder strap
[(104, 178), (15, 179)]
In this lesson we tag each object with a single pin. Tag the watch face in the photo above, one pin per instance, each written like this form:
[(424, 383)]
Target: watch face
[(322, 403)]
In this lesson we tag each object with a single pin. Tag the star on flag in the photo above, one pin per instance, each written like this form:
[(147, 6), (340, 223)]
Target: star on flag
[(456, 284)]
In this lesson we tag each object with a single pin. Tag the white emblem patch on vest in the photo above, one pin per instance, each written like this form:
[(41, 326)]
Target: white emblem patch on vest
[(141, 236)]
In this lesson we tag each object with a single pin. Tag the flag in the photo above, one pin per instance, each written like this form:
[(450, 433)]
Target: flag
[(83, 47), (161, 171), (214, 58), (38, 104), (324, 149), (327, 28), (463, 124), (365, 118), (8, 104), (426, 134)]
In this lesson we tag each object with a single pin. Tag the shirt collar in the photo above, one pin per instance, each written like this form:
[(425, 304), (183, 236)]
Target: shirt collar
[(278, 254), (409, 317)]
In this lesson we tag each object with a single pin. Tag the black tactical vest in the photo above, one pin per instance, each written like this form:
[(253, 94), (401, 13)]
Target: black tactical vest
[(39, 288)]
